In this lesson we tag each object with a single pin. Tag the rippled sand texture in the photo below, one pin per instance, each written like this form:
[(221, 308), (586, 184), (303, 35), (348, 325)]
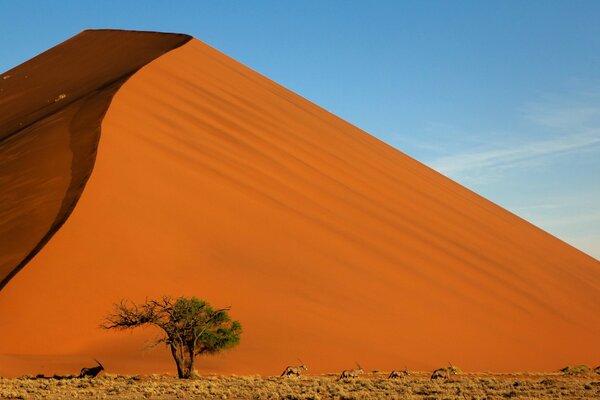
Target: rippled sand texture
[(329, 245)]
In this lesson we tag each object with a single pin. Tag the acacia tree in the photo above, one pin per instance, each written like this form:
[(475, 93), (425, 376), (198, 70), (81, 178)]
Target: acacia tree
[(191, 327)]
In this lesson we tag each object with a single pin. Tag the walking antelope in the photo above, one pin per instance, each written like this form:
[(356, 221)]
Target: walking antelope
[(399, 374), (294, 370), (91, 372), (444, 373), (297, 371), (352, 373)]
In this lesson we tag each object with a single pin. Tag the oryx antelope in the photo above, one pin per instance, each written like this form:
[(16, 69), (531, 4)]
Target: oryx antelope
[(399, 374), (444, 373), (352, 373), (297, 371), (93, 371)]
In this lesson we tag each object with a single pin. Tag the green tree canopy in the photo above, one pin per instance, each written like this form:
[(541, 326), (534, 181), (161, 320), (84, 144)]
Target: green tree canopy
[(191, 327)]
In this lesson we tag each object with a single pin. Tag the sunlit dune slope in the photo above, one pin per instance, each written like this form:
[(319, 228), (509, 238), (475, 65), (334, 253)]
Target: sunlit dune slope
[(329, 245)]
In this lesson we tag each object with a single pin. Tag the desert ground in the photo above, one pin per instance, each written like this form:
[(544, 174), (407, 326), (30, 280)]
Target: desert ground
[(418, 386)]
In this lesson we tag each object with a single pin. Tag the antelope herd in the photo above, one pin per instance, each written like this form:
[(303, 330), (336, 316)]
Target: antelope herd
[(441, 373), (296, 370)]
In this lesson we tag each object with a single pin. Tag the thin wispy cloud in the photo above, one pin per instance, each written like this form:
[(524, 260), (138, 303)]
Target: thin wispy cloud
[(529, 169), (569, 126), (581, 109), (512, 156), (403, 142), (564, 118)]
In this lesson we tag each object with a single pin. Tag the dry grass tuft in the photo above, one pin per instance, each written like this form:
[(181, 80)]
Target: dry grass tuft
[(576, 370)]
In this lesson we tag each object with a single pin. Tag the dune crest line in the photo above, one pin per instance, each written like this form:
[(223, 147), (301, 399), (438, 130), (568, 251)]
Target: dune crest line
[(52, 107)]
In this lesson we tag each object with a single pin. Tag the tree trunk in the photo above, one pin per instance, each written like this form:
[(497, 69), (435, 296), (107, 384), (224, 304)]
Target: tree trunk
[(184, 359), (178, 361), (192, 369), (188, 362)]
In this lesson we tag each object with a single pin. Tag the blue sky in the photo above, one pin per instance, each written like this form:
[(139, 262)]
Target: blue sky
[(503, 97)]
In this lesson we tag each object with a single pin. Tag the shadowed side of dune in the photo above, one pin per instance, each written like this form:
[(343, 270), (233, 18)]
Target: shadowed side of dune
[(329, 245), (52, 107)]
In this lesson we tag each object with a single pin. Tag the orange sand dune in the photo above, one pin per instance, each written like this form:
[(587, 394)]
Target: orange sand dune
[(329, 245), (52, 107)]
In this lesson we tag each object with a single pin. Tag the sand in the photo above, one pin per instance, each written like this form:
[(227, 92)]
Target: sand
[(329, 245), (52, 107)]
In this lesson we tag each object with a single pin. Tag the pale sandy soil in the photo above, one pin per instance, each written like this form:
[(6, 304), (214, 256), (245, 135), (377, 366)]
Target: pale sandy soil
[(375, 386)]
